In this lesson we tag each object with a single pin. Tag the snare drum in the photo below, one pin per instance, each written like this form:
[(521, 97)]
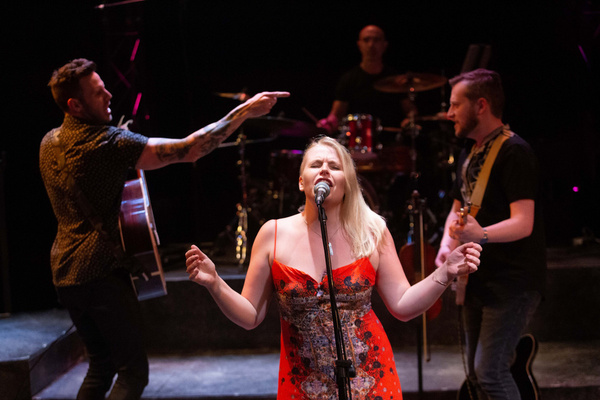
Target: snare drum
[(358, 132)]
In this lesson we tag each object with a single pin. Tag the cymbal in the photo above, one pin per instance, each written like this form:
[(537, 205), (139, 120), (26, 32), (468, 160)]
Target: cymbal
[(410, 82), (278, 126), (241, 96), (441, 116), (246, 142)]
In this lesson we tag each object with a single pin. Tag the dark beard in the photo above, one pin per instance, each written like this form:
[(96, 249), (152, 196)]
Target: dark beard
[(468, 126), (89, 116)]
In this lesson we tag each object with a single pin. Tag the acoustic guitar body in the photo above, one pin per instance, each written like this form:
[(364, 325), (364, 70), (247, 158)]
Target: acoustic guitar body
[(140, 239)]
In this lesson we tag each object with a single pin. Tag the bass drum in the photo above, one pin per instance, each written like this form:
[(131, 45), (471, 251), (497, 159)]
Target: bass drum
[(369, 193)]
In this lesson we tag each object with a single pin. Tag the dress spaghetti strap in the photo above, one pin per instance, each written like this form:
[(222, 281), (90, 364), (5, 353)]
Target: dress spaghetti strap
[(275, 243)]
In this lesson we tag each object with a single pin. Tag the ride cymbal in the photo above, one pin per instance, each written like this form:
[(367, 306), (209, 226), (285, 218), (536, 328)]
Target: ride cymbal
[(410, 82)]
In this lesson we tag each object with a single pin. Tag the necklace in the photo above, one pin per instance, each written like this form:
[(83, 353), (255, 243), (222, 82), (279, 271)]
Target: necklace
[(319, 234)]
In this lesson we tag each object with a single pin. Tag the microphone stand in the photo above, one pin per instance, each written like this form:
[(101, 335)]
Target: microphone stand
[(343, 367)]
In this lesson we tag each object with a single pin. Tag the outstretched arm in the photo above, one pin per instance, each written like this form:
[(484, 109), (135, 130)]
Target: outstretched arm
[(249, 308), (406, 302), (160, 152)]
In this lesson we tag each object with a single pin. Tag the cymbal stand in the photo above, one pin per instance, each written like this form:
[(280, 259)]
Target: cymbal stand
[(241, 240), (414, 131)]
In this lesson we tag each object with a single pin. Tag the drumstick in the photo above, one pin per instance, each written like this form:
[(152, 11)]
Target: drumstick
[(315, 120)]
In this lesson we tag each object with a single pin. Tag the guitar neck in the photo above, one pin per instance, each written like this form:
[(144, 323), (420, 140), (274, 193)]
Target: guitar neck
[(464, 212)]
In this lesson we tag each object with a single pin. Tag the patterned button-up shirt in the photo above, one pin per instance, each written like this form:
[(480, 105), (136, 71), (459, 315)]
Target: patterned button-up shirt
[(99, 158)]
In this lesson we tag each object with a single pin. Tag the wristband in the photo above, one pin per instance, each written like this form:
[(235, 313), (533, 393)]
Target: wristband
[(484, 239), (436, 280)]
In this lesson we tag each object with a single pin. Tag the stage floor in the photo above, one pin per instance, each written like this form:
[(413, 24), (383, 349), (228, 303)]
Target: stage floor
[(254, 375)]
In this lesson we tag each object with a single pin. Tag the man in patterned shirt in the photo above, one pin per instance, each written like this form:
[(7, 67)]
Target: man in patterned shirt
[(90, 282)]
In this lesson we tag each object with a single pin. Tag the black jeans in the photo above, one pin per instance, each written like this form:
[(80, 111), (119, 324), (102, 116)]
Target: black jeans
[(492, 333), (107, 315)]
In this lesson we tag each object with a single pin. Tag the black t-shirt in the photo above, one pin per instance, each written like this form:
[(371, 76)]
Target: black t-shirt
[(519, 265), (356, 87), (98, 157)]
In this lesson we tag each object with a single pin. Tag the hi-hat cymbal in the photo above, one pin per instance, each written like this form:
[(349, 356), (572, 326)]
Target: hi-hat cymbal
[(410, 82), (277, 126)]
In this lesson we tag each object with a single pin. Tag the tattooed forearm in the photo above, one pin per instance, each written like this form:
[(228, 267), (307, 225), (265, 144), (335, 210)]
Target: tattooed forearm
[(211, 139), (161, 151), (172, 152), (200, 143), (236, 113), (214, 134)]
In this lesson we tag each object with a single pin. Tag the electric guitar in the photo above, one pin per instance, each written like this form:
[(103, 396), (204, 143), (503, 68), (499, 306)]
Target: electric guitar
[(140, 239), (520, 370)]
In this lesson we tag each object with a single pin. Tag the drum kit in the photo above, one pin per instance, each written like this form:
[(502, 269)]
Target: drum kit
[(376, 164)]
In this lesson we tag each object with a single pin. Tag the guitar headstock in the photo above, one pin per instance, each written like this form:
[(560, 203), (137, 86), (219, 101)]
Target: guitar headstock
[(464, 211)]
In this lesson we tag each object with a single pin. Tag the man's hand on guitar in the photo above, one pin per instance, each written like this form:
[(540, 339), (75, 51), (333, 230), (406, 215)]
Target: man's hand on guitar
[(470, 231)]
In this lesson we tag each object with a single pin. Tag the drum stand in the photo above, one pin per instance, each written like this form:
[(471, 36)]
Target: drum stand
[(241, 240), (243, 210), (414, 130), (227, 237)]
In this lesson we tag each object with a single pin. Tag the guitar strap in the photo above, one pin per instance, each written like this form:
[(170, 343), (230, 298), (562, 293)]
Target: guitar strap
[(484, 174), (131, 263), (478, 192)]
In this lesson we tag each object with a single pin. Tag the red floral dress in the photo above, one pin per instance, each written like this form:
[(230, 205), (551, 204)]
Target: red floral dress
[(308, 353)]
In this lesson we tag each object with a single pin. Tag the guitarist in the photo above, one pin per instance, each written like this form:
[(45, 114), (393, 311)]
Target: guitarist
[(88, 158), (502, 296)]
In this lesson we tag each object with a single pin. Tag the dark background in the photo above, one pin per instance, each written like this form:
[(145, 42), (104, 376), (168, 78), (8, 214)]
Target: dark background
[(546, 51)]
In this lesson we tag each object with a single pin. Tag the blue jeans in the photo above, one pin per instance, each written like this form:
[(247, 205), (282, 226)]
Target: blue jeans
[(108, 319), (492, 332)]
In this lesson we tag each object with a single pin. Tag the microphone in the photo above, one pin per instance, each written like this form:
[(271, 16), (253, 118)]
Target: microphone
[(321, 192)]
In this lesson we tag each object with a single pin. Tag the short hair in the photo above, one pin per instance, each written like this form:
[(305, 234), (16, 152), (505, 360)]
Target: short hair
[(64, 83), (377, 27), (483, 83)]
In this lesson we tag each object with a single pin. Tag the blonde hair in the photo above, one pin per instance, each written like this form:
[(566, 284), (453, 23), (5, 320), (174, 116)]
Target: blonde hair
[(364, 227)]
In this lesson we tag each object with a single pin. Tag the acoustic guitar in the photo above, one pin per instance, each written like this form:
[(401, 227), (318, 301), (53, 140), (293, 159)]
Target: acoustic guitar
[(521, 371), (140, 238)]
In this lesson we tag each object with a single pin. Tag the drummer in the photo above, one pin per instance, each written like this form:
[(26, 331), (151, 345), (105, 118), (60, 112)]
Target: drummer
[(355, 92)]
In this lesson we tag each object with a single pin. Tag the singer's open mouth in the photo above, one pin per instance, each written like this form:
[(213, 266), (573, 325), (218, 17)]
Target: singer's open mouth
[(327, 181)]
